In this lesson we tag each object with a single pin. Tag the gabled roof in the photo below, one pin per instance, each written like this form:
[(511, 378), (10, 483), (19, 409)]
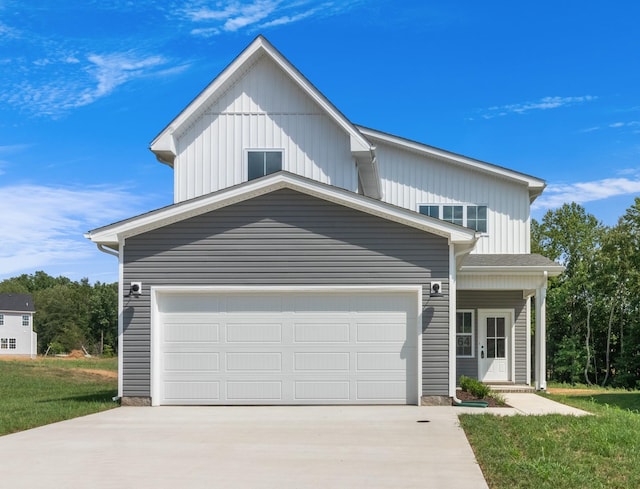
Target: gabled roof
[(16, 303), (111, 235), (164, 145), (535, 185)]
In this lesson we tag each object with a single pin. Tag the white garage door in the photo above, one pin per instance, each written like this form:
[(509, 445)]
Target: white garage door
[(287, 348)]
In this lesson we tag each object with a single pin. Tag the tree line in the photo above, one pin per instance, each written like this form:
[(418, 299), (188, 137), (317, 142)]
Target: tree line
[(70, 315), (593, 320)]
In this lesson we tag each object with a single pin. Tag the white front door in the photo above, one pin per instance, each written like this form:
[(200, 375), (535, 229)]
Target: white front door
[(494, 345)]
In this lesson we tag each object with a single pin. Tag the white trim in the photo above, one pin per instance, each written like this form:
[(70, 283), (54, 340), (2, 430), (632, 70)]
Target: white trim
[(528, 333), (452, 321), (156, 330), (511, 362), (276, 181), (121, 319)]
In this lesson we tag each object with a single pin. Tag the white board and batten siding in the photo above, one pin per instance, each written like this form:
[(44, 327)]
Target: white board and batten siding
[(319, 346), (410, 179), (262, 110)]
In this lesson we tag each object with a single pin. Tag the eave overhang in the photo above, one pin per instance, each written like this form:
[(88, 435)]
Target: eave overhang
[(114, 234)]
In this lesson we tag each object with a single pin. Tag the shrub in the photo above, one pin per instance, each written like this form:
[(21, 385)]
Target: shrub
[(474, 387)]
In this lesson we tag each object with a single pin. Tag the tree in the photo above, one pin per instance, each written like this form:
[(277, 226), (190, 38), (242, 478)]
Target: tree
[(572, 237), (70, 314)]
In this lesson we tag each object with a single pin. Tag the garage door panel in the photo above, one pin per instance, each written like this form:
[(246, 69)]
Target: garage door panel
[(254, 303), (380, 361), (257, 361), (254, 391), (298, 355), (191, 329), (320, 332), (382, 331), (258, 332), (389, 391), (191, 361), (337, 391), (321, 361), (191, 392)]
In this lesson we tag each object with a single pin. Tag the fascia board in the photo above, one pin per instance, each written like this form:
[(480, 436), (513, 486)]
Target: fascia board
[(259, 46), (535, 185), (114, 233), (553, 271)]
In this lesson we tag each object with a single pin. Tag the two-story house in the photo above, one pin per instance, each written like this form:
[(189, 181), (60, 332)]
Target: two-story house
[(307, 260), (16, 325)]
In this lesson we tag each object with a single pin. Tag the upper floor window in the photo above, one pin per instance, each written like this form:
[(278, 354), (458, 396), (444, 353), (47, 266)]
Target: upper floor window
[(453, 214), (1, 319), (477, 217), (25, 320), (471, 216), (261, 163)]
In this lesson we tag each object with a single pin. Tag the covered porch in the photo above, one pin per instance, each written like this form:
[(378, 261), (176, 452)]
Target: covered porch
[(496, 298)]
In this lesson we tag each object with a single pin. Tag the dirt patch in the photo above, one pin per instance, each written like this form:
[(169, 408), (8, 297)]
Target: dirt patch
[(562, 391), (109, 374), (465, 396)]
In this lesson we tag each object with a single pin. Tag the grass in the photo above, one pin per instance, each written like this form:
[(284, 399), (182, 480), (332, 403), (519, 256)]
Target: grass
[(38, 392), (554, 451)]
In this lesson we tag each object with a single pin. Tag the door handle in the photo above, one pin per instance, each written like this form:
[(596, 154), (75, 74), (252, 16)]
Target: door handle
[(482, 352)]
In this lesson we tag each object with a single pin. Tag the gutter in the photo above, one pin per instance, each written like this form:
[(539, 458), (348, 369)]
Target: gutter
[(108, 251)]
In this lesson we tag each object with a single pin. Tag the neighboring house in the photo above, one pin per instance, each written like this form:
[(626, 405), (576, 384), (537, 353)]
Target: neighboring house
[(307, 260), (16, 325)]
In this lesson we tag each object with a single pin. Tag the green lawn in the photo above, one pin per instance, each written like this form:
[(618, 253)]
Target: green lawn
[(38, 392), (554, 451)]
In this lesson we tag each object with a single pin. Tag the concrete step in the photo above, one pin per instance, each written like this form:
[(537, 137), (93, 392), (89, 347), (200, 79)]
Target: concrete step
[(511, 388)]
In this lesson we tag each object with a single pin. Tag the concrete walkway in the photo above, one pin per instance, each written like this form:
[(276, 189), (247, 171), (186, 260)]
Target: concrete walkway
[(527, 404), (246, 447)]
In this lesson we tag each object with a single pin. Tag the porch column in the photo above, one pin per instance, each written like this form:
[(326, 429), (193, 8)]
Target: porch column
[(541, 335)]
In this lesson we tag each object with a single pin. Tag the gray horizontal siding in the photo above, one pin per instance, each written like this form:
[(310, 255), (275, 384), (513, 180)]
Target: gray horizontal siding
[(496, 299), (285, 238)]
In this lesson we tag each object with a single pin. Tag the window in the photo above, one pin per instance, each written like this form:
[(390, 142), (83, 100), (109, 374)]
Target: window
[(453, 213), (477, 218), (25, 320), (261, 163), (471, 216), (1, 319), (4, 343), (464, 334), (430, 210), (12, 343)]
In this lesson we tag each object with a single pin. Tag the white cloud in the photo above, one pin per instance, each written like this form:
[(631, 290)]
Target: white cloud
[(69, 83), (235, 15), (544, 103), (555, 195), (44, 226), (256, 14)]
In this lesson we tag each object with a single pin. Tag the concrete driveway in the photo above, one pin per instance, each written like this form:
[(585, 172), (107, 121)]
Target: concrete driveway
[(246, 447)]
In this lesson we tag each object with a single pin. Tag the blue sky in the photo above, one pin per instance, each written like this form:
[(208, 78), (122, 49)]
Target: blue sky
[(547, 88)]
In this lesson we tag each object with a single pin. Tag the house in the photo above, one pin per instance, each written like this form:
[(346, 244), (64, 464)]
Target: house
[(16, 325), (308, 260)]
